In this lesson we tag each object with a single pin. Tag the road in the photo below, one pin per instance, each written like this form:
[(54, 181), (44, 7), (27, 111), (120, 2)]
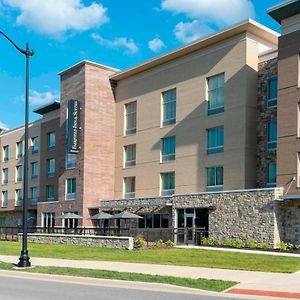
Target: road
[(15, 286)]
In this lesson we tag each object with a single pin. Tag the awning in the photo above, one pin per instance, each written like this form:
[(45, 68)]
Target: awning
[(101, 216), (126, 215), (290, 197), (132, 205)]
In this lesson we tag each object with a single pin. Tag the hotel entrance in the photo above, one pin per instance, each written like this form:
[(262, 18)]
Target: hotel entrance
[(191, 224)]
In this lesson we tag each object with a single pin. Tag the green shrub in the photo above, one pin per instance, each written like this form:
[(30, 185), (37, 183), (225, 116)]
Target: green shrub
[(205, 241), (283, 246), (158, 244), (228, 243), (169, 243), (238, 244), (139, 243), (213, 242), (251, 244), (264, 246)]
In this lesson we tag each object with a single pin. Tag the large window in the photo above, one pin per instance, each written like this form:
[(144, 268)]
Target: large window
[(34, 195), (215, 93), (49, 219), (129, 187), (271, 174), (35, 144), (19, 173), (214, 179), (130, 155), (51, 140), (19, 148), (130, 118), (5, 176), (167, 183), (71, 189), (19, 197), (71, 161), (34, 170), (215, 140), (272, 93), (4, 202), (169, 107), (5, 153), (70, 223), (154, 221), (272, 135), (168, 146), (50, 193), (51, 167)]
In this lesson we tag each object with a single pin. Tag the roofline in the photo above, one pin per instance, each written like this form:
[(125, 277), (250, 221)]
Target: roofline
[(280, 5), (284, 14), (83, 62), (55, 104), (244, 26)]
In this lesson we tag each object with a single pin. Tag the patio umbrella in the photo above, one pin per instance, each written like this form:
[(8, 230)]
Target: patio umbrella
[(101, 216), (69, 216), (126, 215)]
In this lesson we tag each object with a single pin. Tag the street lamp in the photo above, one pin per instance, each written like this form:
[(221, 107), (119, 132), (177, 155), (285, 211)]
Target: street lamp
[(24, 260)]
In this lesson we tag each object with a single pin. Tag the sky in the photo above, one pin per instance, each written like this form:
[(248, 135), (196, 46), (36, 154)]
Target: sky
[(119, 33)]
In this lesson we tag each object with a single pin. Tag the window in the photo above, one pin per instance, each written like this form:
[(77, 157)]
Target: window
[(34, 195), (19, 197), (19, 148), (49, 219), (50, 192), (272, 135), (71, 161), (70, 223), (168, 146), (215, 91), (272, 93), (34, 170), (130, 155), (51, 140), (4, 199), (35, 144), (5, 153), (51, 167), (167, 183), (129, 187), (271, 174), (214, 179), (154, 221), (19, 173), (298, 119), (5, 176), (71, 189), (2, 221), (130, 118), (215, 140), (169, 107)]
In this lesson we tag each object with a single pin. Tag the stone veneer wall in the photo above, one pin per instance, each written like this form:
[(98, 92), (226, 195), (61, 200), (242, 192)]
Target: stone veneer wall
[(95, 241), (266, 71)]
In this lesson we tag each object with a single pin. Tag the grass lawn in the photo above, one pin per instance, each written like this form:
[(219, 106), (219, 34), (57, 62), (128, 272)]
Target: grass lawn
[(203, 284), (179, 257)]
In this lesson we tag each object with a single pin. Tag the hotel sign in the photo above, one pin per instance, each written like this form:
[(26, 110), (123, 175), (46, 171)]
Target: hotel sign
[(73, 124)]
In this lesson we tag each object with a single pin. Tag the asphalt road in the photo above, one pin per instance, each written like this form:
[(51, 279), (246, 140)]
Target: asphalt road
[(19, 287)]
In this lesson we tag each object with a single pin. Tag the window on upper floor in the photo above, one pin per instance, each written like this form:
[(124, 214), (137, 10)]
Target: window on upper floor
[(214, 181), (35, 145), (130, 118), (129, 155), (51, 167), (167, 185), (5, 153), (71, 161), (271, 174), (4, 202), (5, 176), (215, 140), (272, 135), (19, 173), (71, 189), (19, 148), (272, 93), (50, 193), (129, 187), (51, 140), (19, 197), (168, 146), (34, 195), (34, 170), (215, 94), (169, 107)]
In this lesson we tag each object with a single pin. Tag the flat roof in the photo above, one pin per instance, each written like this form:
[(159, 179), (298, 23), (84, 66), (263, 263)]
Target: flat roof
[(284, 10), (47, 108), (248, 25)]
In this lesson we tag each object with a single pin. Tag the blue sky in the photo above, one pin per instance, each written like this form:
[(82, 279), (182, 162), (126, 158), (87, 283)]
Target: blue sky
[(118, 33)]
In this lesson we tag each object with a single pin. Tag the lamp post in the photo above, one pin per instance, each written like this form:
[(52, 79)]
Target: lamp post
[(24, 260)]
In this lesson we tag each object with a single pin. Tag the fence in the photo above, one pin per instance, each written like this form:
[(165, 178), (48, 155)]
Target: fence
[(178, 235)]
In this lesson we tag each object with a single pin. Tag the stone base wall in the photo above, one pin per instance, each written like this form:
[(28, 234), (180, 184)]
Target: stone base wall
[(95, 241)]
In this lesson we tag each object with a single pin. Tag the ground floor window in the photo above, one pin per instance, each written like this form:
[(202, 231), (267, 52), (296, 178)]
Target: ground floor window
[(154, 221), (48, 219), (2, 221)]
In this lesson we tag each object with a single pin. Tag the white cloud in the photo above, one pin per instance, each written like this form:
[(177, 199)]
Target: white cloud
[(190, 31), (120, 42), (36, 98), (156, 45), (220, 12), (55, 17), (3, 126)]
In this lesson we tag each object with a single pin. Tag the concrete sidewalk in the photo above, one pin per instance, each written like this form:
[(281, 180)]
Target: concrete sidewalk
[(252, 283)]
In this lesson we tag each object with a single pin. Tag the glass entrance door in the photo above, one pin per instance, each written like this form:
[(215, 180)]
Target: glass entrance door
[(190, 227)]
